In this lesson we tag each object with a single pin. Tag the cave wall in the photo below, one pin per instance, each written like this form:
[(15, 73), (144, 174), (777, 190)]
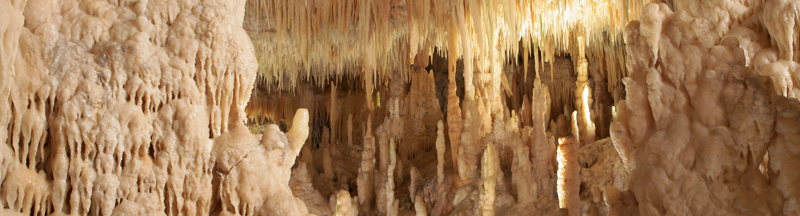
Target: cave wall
[(121, 107), (702, 130)]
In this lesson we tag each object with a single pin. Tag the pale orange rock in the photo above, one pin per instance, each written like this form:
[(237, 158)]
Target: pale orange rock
[(344, 205), (568, 175), (118, 102), (302, 187), (489, 175), (542, 150), (705, 128), (440, 150), (365, 178)]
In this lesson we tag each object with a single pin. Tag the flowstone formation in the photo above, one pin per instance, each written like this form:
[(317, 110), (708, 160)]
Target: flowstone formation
[(701, 132), (135, 108)]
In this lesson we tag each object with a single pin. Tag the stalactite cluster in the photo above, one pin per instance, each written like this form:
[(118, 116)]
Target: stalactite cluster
[(380, 37)]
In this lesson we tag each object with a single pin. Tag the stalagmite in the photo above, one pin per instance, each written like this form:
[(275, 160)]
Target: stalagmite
[(583, 96), (522, 176), (398, 173), (419, 206), (455, 122), (334, 116), (440, 149), (489, 171), (391, 203), (327, 164), (383, 149), (298, 134), (542, 149), (350, 130), (468, 151), (568, 175), (576, 130), (365, 178), (344, 205), (412, 187)]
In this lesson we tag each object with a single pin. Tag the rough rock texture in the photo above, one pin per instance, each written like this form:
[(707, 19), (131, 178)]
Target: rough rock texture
[(118, 107), (254, 175), (569, 175), (697, 123), (601, 167), (365, 176), (303, 188), (420, 110)]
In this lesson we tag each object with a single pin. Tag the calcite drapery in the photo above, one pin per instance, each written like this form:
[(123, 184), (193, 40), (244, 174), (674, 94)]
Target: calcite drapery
[(125, 108)]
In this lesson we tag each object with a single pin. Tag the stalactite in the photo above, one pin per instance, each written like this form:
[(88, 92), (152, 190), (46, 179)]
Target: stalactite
[(352, 30), (466, 49), (350, 130), (334, 115)]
